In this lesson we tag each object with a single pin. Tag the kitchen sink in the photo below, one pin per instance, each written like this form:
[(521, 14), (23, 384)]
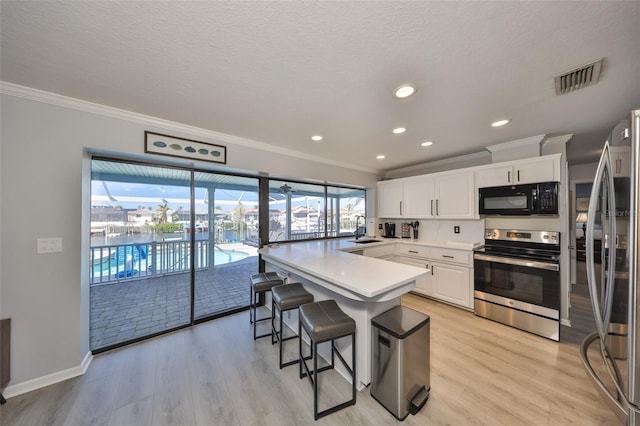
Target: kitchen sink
[(364, 241)]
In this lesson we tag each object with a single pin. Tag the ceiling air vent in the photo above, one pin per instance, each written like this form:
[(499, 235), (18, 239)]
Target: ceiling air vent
[(578, 78)]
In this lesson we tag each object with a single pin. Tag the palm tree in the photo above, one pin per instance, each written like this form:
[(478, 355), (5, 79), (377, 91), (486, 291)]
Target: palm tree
[(161, 212)]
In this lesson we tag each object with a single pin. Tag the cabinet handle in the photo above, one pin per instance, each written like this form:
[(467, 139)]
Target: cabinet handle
[(432, 269), (413, 251), (619, 165), (447, 256), (431, 213), (518, 175), (509, 176), (400, 208), (437, 209)]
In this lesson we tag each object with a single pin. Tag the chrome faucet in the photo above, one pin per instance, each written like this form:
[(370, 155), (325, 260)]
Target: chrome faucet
[(357, 227)]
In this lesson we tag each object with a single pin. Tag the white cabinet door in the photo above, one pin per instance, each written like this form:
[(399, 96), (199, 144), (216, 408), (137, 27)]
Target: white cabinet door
[(418, 197), (537, 170), (455, 196), (452, 284), (390, 195), (531, 170), (424, 284), (494, 176), (621, 160)]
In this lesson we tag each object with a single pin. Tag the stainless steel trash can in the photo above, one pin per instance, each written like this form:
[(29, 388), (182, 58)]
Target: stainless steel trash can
[(400, 377)]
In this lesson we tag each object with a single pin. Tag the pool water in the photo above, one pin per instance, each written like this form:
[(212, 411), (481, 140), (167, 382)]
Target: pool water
[(221, 257)]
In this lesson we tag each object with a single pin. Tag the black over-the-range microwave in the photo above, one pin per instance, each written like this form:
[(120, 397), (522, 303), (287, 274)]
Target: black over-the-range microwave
[(519, 200)]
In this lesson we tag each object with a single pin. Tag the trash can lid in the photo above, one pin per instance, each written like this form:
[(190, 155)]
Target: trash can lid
[(400, 321)]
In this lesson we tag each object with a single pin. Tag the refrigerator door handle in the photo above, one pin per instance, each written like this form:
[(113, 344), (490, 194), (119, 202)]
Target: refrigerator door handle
[(601, 316)]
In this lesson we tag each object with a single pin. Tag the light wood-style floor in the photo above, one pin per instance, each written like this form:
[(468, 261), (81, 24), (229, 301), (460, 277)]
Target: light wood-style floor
[(482, 373)]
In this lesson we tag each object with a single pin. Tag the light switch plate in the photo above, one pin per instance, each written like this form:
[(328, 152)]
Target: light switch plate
[(49, 245)]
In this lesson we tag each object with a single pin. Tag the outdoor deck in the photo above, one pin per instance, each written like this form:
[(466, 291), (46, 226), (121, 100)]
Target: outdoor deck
[(127, 310)]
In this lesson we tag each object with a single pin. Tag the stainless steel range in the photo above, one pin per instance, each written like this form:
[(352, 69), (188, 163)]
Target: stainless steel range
[(517, 280)]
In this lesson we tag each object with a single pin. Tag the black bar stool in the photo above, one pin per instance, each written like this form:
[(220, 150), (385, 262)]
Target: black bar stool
[(285, 298), (324, 321), (260, 284)]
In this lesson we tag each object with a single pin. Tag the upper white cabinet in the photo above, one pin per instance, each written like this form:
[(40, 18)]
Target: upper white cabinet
[(418, 196), (621, 160), (531, 170), (447, 195), (455, 196), (390, 198)]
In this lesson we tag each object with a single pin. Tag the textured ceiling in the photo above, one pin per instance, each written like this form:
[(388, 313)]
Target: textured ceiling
[(279, 72)]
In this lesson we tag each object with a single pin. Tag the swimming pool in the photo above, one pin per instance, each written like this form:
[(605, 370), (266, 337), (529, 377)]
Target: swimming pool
[(130, 261), (227, 256)]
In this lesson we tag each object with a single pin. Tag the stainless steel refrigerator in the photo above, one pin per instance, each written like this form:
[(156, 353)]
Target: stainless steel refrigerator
[(613, 363)]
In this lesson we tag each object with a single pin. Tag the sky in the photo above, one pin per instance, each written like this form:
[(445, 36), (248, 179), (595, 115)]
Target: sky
[(132, 195)]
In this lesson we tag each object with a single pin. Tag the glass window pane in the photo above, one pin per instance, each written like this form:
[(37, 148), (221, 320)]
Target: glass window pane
[(299, 210), (140, 269), (346, 205), (226, 241), (296, 211)]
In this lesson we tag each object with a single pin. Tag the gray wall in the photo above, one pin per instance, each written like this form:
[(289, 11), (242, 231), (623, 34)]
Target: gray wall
[(44, 181)]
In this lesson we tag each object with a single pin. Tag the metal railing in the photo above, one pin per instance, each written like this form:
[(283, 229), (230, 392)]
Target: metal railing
[(112, 263)]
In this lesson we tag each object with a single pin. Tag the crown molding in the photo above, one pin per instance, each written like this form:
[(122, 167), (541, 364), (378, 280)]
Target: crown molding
[(37, 95), (418, 168), (562, 139), (533, 140)]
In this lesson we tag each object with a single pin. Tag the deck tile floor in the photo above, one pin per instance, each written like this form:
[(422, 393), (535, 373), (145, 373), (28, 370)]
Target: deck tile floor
[(137, 308)]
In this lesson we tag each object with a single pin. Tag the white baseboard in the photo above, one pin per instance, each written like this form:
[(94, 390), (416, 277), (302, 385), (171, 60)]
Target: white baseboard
[(49, 379)]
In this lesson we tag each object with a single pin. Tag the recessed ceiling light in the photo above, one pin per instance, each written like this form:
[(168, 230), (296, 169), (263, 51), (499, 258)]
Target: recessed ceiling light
[(427, 143), (500, 123), (316, 138), (399, 130), (380, 157), (404, 91)]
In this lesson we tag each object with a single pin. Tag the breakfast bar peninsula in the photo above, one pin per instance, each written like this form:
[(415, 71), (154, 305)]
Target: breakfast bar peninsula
[(362, 286)]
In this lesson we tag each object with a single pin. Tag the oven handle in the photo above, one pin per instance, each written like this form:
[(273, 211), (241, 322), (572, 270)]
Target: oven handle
[(518, 262)]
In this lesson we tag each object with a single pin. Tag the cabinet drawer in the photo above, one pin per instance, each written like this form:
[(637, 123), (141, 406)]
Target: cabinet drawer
[(460, 257), (412, 250)]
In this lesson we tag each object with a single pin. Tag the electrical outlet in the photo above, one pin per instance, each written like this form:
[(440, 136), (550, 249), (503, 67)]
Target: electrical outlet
[(456, 229)]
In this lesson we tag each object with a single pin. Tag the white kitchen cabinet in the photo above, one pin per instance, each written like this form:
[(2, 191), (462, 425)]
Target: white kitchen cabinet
[(423, 284), (390, 196), (451, 276), (418, 197), (451, 283), (447, 195), (452, 279), (455, 196), (531, 170), (621, 160)]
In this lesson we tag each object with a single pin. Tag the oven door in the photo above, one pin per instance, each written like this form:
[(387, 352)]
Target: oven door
[(507, 200), (528, 285)]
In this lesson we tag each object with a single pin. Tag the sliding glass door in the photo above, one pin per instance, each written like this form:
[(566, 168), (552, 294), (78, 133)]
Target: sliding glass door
[(227, 242), (169, 247)]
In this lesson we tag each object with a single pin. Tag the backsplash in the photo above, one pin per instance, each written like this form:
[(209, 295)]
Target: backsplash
[(441, 230)]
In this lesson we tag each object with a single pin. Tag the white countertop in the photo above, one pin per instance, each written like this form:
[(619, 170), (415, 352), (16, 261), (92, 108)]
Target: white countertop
[(347, 244), (365, 278)]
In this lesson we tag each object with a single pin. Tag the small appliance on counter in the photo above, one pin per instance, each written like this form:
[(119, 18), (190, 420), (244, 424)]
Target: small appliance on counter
[(389, 230), (405, 231)]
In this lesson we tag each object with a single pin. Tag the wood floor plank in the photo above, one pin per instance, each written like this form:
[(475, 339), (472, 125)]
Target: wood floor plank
[(482, 373)]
